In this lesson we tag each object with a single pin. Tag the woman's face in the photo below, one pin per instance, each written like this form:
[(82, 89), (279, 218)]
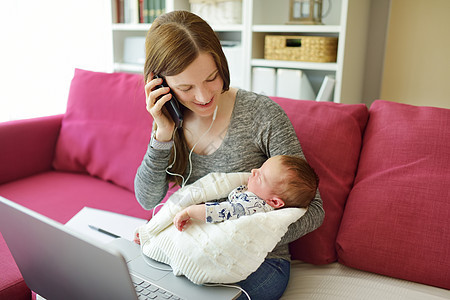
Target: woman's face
[(199, 86)]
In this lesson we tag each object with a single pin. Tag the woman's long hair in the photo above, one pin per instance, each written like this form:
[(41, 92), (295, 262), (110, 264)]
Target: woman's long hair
[(173, 42)]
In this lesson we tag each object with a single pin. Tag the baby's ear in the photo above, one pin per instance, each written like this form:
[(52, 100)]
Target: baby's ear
[(275, 202)]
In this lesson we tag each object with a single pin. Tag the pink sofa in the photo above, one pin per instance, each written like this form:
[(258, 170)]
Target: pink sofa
[(385, 174)]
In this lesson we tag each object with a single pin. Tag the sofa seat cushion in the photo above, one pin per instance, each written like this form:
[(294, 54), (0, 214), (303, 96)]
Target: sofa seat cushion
[(331, 138), (336, 281), (60, 195), (397, 218), (106, 128)]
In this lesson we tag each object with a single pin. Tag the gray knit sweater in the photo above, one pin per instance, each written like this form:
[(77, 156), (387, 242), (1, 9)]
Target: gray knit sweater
[(259, 128)]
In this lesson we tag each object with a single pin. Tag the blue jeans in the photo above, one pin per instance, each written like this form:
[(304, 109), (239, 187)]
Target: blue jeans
[(268, 282)]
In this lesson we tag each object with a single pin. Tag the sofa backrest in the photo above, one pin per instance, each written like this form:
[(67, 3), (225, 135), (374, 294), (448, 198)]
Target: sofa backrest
[(397, 218), (331, 138), (106, 128)]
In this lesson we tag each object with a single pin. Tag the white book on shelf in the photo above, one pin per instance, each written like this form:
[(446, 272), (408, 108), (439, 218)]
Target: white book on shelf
[(326, 89), (264, 81), (294, 84), (131, 11)]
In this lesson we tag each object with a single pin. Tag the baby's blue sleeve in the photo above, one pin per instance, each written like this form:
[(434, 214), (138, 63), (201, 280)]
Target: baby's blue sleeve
[(217, 212)]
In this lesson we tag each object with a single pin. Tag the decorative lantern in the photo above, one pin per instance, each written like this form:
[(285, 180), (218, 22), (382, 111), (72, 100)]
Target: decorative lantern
[(308, 12)]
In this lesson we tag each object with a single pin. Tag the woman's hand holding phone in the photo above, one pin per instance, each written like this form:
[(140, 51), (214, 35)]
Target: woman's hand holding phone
[(165, 124)]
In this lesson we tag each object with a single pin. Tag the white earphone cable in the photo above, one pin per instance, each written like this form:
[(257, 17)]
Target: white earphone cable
[(192, 150), (231, 286), (184, 181)]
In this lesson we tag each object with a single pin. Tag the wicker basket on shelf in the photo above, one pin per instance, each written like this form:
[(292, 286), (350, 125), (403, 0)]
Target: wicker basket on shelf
[(301, 48)]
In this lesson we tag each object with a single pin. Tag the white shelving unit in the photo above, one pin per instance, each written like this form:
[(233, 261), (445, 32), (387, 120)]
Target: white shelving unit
[(347, 19)]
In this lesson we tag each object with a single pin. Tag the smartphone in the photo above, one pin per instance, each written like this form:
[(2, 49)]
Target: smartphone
[(172, 106)]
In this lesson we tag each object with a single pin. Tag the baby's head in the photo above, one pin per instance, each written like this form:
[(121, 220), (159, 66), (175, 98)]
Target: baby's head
[(284, 181)]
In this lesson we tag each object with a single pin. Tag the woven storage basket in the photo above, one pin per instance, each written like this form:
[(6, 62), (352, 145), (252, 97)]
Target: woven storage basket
[(301, 48)]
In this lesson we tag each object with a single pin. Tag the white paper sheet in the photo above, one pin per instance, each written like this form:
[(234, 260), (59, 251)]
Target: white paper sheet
[(118, 224)]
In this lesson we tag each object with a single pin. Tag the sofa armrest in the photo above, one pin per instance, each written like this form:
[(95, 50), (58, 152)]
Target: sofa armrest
[(27, 146)]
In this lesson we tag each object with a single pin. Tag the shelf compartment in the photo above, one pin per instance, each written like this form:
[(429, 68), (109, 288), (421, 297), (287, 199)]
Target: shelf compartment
[(326, 29), (288, 64)]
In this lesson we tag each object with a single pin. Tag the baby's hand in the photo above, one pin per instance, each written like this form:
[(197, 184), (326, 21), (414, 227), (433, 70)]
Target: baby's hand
[(181, 220)]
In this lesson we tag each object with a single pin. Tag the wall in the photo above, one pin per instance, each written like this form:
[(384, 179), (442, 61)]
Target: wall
[(417, 57), (42, 42), (376, 44)]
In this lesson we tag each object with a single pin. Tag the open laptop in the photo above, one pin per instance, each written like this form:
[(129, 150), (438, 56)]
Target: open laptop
[(58, 263)]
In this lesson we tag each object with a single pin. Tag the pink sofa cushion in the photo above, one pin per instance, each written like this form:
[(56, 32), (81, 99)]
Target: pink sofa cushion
[(331, 137), (60, 195), (106, 129), (397, 218)]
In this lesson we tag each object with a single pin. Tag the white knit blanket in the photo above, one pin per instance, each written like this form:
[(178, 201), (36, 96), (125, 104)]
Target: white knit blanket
[(224, 252)]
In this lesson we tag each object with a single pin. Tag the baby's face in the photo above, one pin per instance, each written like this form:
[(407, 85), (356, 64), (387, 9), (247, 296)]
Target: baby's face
[(263, 180)]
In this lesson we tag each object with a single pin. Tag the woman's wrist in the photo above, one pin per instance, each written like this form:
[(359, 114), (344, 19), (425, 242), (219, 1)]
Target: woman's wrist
[(163, 135), (156, 143)]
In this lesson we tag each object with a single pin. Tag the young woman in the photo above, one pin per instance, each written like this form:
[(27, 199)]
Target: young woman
[(224, 130)]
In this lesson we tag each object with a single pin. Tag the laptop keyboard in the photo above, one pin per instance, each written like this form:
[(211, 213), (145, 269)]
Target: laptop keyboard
[(146, 290)]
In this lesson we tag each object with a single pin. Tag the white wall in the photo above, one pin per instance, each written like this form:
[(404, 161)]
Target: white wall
[(417, 61), (42, 42), (376, 44)]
